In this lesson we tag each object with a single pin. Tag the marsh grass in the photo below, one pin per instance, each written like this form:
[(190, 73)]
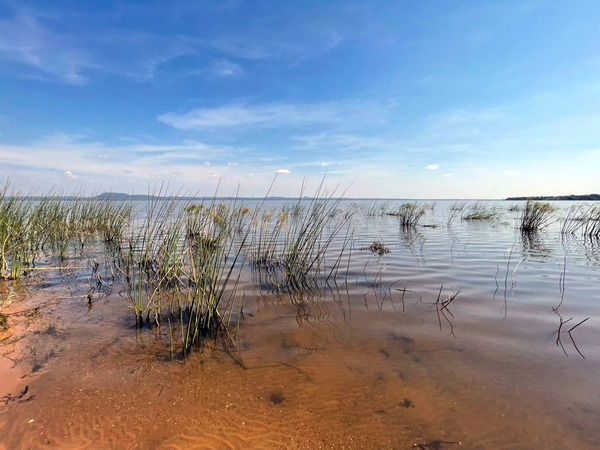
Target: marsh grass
[(584, 220), (575, 220), (289, 247), (409, 214), (458, 206), (535, 216), (479, 211), (182, 264), (514, 207), (179, 262), (375, 208), (52, 225), (591, 227)]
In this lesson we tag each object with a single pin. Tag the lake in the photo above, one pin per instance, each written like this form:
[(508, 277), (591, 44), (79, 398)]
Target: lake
[(459, 334)]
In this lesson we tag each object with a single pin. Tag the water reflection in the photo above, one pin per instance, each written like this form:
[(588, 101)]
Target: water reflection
[(533, 245)]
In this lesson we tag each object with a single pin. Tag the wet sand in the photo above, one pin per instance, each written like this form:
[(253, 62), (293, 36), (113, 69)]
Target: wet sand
[(360, 377)]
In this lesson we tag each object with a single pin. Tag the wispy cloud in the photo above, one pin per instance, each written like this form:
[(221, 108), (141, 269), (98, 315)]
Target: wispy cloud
[(432, 166), (94, 157), (254, 47), (45, 47), (344, 142), (96, 165), (24, 40), (224, 68), (263, 115)]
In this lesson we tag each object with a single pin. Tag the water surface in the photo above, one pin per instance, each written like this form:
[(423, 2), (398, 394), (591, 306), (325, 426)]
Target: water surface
[(372, 359)]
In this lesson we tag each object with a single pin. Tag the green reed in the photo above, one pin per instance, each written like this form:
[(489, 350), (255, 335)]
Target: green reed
[(180, 262), (289, 247), (50, 225)]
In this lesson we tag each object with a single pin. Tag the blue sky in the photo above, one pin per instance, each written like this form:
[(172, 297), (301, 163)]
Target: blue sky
[(421, 99)]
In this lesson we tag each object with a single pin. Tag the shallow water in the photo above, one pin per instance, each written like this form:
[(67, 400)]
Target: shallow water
[(371, 363)]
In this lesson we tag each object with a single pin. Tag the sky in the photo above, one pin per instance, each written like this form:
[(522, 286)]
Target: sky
[(382, 99)]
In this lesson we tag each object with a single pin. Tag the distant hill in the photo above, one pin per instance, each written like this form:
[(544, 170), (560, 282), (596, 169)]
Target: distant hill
[(559, 197)]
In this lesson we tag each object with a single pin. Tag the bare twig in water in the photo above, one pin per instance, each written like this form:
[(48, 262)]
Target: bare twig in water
[(441, 308), (558, 339), (573, 340), (558, 333)]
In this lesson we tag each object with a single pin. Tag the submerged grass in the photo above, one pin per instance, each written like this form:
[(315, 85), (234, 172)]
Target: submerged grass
[(377, 247)]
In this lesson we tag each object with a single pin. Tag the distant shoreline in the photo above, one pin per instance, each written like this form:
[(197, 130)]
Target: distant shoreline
[(118, 196), (559, 197)]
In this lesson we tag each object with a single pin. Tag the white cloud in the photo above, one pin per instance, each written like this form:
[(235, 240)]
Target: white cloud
[(324, 164), (282, 171), (345, 142), (432, 166), (224, 68), (511, 173), (140, 160), (340, 114), (215, 175), (232, 163), (448, 175), (265, 115)]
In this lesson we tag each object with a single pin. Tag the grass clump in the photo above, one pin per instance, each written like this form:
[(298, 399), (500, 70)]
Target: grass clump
[(182, 266), (479, 211), (178, 263), (591, 229), (378, 248), (535, 216), (288, 247), (409, 214), (52, 225), (583, 219), (375, 208)]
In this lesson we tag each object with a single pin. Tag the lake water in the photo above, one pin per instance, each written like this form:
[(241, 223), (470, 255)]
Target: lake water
[(447, 341)]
